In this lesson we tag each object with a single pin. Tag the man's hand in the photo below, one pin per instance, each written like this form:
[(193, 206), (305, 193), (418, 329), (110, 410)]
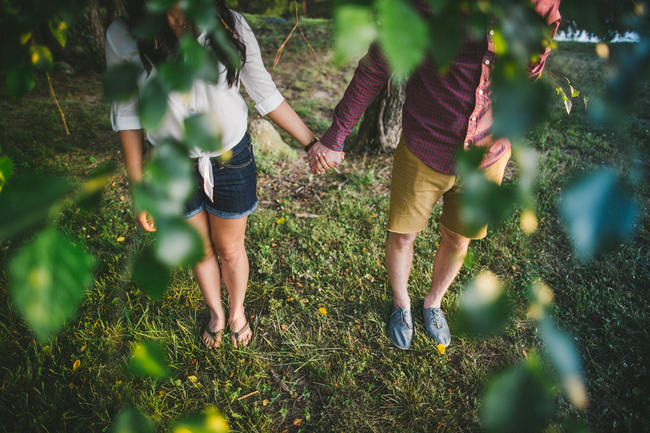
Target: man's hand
[(322, 158), (146, 221)]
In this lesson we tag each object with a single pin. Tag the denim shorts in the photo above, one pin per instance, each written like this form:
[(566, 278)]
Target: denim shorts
[(235, 185)]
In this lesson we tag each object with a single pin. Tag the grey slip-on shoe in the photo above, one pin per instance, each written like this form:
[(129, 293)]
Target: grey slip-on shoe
[(436, 325), (400, 327)]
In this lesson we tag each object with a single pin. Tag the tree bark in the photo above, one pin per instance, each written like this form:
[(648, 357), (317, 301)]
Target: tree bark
[(97, 30), (381, 125)]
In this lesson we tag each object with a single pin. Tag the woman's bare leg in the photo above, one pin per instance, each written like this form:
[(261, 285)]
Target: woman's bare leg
[(208, 276), (228, 240)]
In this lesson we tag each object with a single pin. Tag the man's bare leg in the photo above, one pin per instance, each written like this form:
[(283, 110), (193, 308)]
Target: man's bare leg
[(449, 259), (399, 258)]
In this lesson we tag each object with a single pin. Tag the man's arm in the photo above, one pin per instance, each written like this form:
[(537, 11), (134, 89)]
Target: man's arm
[(368, 80)]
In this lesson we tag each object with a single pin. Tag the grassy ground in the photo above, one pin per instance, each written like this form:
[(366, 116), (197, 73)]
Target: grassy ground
[(310, 371)]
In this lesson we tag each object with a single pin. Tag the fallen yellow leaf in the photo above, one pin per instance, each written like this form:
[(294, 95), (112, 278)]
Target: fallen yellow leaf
[(192, 379), (280, 220), (284, 327), (290, 298), (297, 421), (76, 365), (323, 311), (441, 348), (120, 239), (83, 348), (265, 402)]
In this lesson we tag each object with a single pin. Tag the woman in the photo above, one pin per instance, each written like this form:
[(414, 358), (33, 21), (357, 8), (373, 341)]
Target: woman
[(226, 194)]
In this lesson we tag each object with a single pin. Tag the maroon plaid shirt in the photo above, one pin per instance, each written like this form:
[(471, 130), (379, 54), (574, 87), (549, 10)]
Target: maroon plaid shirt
[(441, 111)]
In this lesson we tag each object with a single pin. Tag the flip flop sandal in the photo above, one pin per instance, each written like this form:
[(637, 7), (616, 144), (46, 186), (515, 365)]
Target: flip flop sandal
[(213, 336), (236, 334)]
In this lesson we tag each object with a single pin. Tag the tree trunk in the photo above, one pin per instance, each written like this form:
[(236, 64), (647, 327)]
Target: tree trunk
[(117, 9), (97, 30), (381, 125)]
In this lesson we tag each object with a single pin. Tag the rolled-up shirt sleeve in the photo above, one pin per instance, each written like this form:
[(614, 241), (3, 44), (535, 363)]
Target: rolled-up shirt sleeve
[(256, 79), (121, 47)]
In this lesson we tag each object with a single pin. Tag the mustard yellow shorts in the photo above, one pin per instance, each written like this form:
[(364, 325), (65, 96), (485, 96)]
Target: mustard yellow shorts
[(416, 187)]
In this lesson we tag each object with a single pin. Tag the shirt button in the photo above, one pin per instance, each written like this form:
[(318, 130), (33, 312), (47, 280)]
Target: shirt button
[(480, 92), (491, 32), (487, 61), (473, 119)]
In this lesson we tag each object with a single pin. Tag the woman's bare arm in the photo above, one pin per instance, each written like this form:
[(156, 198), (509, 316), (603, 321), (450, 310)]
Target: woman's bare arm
[(132, 150)]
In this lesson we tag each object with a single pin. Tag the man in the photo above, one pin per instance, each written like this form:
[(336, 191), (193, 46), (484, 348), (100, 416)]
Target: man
[(442, 114)]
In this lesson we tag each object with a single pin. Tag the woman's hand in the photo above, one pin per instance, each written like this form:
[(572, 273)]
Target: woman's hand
[(146, 221)]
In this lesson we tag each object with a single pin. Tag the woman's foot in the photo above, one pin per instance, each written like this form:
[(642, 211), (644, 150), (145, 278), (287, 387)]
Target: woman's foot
[(213, 332), (240, 331)]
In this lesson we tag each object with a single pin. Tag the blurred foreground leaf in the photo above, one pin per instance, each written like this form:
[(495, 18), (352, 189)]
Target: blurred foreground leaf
[(152, 104), (91, 189), (148, 359), (167, 182), (47, 280), (599, 212), (484, 308), (209, 421), (354, 30), (201, 130), (178, 243), (518, 400), (131, 420), (150, 274), (121, 81), (565, 358), (6, 170), (482, 201), (20, 80), (403, 34), (27, 200)]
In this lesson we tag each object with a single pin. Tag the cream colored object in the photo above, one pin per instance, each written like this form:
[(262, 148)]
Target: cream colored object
[(268, 140)]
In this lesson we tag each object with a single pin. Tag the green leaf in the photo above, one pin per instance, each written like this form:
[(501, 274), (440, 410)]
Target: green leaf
[(47, 281), (517, 400), (20, 80), (201, 130), (512, 93), (41, 56), (200, 60), (354, 30), (484, 308), (563, 353), (209, 421), (178, 243), (599, 212), (482, 202), (27, 200), (153, 104), (148, 359), (201, 12), (447, 36), (91, 190), (160, 6), (168, 181), (176, 76), (150, 274), (59, 29), (6, 170), (404, 36), (131, 420), (121, 81)]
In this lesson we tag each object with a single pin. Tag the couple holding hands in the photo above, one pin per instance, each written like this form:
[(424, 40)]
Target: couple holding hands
[(442, 114)]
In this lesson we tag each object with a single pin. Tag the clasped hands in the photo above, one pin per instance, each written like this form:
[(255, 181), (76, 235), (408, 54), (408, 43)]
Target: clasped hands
[(322, 158)]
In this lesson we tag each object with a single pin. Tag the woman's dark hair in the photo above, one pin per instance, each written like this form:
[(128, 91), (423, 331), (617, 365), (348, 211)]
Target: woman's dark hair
[(157, 42)]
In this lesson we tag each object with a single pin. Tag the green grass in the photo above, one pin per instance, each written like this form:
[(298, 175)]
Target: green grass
[(334, 372)]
